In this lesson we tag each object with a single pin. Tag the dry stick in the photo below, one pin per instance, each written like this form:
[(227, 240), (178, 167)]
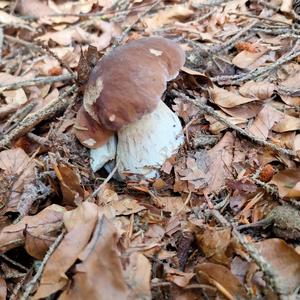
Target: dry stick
[(39, 272), (251, 250), (21, 42), (107, 179), (223, 47), (36, 81), (236, 79), (35, 118), (259, 18), (241, 131)]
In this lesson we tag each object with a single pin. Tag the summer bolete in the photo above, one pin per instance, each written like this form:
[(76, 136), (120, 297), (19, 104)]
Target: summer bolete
[(123, 96)]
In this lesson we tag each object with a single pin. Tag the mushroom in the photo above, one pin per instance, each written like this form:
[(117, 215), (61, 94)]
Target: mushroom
[(123, 96)]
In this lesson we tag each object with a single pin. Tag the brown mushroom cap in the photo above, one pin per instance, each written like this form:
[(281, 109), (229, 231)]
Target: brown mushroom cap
[(129, 82)]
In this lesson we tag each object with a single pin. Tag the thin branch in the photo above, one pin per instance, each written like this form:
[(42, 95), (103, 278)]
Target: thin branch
[(207, 109), (36, 81), (35, 118), (39, 272), (1, 44)]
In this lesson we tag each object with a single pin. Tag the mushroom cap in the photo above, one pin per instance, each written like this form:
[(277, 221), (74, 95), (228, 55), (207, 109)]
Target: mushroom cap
[(89, 132), (129, 81)]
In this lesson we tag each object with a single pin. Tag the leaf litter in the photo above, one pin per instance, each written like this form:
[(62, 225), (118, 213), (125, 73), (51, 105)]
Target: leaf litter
[(193, 232)]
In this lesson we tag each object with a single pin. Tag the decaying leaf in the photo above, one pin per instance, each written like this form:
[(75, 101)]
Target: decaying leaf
[(285, 263), (287, 182)]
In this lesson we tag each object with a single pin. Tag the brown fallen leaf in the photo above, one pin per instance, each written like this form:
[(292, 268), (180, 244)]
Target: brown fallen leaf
[(100, 268), (285, 262), (34, 8), (287, 182), (80, 224), (36, 232), (180, 278), (228, 99), (287, 123), (245, 58), (167, 16), (259, 90), (221, 157), (69, 180), (16, 163), (222, 278), (214, 242), (264, 121), (138, 275), (3, 289)]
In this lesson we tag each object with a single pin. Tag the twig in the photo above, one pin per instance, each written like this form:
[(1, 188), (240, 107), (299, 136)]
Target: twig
[(259, 18), (228, 44), (14, 262), (239, 130), (100, 187), (39, 272), (35, 118), (21, 42), (129, 28), (1, 44), (36, 81)]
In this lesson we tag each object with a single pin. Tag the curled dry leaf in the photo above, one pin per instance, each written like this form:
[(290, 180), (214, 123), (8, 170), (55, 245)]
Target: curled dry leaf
[(35, 8), (181, 279), (264, 121), (34, 231), (167, 16), (80, 224), (16, 163), (214, 243), (137, 275), (245, 58), (228, 99), (69, 180), (259, 90), (100, 268), (288, 183), (222, 278), (285, 262), (221, 157), (287, 123)]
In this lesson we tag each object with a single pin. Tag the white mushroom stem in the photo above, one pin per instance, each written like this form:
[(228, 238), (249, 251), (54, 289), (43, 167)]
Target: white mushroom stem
[(144, 146)]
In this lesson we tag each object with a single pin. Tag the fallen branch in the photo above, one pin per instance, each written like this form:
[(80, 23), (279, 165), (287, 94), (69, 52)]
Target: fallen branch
[(36, 81), (35, 118), (207, 109)]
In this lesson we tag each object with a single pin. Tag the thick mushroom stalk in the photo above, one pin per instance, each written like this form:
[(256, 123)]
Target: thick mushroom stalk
[(143, 146), (123, 97)]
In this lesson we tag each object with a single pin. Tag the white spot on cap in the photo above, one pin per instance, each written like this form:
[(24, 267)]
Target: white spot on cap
[(155, 52), (112, 117), (89, 142)]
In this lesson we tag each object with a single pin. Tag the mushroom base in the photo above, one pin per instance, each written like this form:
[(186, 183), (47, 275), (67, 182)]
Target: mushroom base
[(142, 146)]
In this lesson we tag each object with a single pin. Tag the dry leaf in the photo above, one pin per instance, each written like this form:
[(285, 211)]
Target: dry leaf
[(288, 183), (287, 123), (285, 262), (42, 226), (80, 224), (180, 278), (100, 268), (245, 58), (214, 243), (264, 121), (222, 279), (228, 99), (259, 90), (138, 276), (167, 16)]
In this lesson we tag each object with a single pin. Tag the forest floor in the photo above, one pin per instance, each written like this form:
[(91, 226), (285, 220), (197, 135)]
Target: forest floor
[(223, 219)]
